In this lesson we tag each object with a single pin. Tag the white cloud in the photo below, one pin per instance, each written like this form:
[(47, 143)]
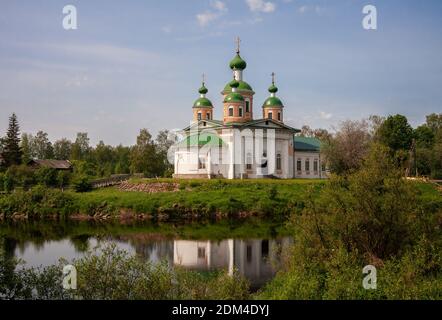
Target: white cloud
[(325, 116), (207, 17), (316, 9), (261, 6), (219, 5)]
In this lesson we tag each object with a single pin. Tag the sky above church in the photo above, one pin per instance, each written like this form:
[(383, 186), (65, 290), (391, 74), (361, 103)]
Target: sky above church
[(137, 64)]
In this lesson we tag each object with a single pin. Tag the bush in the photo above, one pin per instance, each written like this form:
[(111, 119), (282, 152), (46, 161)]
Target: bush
[(110, 273), (46, 176), (82, 184), (37, 202), (369, 217)]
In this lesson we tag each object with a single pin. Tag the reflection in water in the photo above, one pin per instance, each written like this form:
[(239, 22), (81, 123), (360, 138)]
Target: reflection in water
[(43, 244), (256, 259), (253, 258)]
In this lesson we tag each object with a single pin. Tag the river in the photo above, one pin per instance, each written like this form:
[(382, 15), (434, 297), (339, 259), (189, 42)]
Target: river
[(254, 249)]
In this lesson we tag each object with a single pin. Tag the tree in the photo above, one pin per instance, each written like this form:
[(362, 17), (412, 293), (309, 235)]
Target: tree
[(143, 155), (424, 136), (81, 148), (62, 149), (434, 122), (26, 140), (345, 151), (396, 133), (162, 145), (321, 134), (12, 153), (42, 147)]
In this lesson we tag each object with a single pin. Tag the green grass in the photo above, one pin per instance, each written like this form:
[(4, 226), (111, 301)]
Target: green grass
[(195, 200), (204, 197)]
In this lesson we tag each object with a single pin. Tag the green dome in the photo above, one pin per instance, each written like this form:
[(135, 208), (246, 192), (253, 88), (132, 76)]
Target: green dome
[(203, 89), (273, 89), (234, 97), (272, 102), (243, 86), (238, 63), (203, 103), (234, 84)]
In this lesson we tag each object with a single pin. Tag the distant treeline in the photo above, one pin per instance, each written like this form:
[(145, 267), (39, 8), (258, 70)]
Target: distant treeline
[(147, 156), (417, 152)]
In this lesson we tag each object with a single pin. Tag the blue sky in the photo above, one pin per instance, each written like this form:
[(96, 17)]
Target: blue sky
[(138, 64)]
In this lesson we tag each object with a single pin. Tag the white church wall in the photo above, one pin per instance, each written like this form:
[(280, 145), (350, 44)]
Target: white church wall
[(308, 171)]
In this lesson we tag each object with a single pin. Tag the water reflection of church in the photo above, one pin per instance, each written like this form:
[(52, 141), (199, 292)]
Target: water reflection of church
[(254, 258)]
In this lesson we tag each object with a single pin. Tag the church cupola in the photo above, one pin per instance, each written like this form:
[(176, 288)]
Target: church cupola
[(272, 107), (238, 65), (234, 105), (203, 107)]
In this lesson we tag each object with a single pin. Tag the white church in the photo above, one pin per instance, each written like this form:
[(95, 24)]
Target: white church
[(241, 146)]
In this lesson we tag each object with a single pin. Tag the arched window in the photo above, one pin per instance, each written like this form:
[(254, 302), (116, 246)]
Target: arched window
[(279, 116), (208, 115), (199, 116), (278, 162), (230, 111), (270, 115), (240, 112), (307, 165)]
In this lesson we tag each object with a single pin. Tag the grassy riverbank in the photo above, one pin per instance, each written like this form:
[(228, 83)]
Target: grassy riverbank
[(191, 200)]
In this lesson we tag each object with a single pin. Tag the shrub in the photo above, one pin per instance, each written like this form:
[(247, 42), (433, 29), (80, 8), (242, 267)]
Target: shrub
[(110, 273), (82, 184), (46, 176)]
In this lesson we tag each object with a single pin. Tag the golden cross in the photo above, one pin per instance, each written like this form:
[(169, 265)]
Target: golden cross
[(273, 78), (204, 78), (238, 43)]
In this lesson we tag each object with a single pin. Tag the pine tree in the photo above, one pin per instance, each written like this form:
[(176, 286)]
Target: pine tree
[(11, 152)]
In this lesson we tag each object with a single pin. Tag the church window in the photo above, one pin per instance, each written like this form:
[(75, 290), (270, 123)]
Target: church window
[(249, 253), (278, 162), (264, 248), (315, 166), (249, 161), (270, 115), (307, 165), (208, 115), (199, 115), (240, 112), (201, 253), (201, 163), (230, 111), (247, 106), (279, 116), (298, 165)]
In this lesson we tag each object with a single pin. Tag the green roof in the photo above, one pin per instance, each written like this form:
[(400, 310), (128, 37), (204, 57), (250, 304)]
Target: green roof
[(234, 97), (203, 103), (272, 102), (238, 63), (243, 86), (307, 144), (203, 89), (273, 89), (202, 139)]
